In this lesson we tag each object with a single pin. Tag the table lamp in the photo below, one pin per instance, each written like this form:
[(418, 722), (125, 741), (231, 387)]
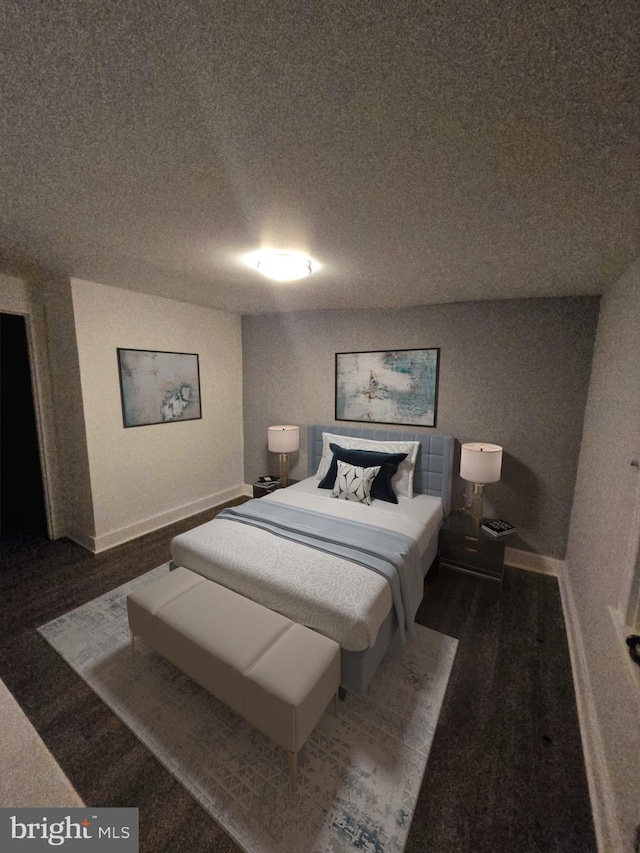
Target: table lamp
[(283, 439), (480, 463)]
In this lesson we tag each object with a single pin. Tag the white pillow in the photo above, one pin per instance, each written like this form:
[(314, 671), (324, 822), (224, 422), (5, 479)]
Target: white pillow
[(402, 481), (353, 483)]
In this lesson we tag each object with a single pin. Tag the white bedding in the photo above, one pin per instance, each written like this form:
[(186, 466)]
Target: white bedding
[(338, 598)]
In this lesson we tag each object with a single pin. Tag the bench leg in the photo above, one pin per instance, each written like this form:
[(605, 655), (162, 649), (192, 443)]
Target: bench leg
[(133, 644), (335, 703), (293, 771)]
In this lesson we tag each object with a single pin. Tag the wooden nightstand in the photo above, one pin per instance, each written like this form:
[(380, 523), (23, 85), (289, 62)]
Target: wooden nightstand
[(259, 491), (465, 548)]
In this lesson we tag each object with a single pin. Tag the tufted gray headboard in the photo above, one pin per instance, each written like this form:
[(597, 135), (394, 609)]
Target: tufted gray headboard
[(434, 465)]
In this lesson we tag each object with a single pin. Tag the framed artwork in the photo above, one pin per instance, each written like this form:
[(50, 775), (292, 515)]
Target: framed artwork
[(388, 387), (158, 387)]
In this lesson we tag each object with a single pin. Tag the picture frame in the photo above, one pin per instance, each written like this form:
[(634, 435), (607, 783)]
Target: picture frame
[(158, 387), (388, 386)]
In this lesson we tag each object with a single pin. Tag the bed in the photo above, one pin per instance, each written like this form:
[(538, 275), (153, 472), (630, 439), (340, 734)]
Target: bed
[(329, 589)]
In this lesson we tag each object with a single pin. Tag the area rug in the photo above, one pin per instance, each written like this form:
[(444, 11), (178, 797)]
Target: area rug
[(359, 774)]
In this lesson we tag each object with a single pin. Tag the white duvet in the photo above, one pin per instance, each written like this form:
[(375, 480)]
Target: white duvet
[(338, 598)]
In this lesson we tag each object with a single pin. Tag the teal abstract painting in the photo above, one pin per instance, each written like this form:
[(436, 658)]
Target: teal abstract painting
[(388, 387), (158, 387)]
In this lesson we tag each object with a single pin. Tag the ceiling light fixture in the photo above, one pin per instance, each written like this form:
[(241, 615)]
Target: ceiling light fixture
[(281, 266)]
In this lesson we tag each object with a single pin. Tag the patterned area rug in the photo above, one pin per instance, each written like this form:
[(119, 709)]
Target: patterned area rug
[(358, 774)]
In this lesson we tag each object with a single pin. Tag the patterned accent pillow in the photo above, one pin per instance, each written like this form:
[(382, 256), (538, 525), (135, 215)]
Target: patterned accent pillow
[(354, 483)]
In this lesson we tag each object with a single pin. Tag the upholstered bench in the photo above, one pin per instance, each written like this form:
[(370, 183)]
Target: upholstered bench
[(278, 675)]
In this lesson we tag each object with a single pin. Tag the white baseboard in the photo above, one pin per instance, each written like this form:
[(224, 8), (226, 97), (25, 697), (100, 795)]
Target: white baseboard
[(533, 562), (97, 544), (600, 789), (513, 556), (83, 539), (247, 490)]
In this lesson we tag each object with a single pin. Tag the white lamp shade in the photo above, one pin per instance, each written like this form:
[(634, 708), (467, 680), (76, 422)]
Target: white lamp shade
[(481, 463), (283, 438)]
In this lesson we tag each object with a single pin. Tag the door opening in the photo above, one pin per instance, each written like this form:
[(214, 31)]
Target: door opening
[(22, 504)]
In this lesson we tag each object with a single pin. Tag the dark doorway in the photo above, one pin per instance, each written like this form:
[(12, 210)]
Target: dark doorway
[(22, 507)]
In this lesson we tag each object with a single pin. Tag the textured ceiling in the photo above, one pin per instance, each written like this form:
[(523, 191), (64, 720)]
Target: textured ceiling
[(421, 152)]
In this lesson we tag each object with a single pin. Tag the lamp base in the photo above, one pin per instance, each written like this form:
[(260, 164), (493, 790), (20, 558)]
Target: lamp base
[(477, 502), (284, 470)]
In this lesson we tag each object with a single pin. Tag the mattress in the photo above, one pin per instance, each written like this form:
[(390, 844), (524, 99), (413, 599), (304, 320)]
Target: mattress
[(341, 599)]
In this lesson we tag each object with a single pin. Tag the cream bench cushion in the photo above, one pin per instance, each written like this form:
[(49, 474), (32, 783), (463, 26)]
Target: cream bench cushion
[(278, 675)]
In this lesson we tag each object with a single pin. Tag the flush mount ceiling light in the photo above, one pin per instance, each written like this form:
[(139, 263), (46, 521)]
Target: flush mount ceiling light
[(281, 266)]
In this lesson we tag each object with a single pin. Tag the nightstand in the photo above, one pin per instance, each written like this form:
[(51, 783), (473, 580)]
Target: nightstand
[(465, 548), (259, 491)]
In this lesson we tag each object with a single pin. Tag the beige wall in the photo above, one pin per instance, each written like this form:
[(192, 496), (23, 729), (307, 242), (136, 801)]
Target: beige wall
[(514, 372), (15, 295), (600, 560), (146, 477), (74, 502)]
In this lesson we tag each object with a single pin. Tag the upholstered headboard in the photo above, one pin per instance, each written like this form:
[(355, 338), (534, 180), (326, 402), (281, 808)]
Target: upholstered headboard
[(434, 464)]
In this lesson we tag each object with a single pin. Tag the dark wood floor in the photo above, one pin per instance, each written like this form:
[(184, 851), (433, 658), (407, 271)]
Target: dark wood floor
[(505, 773)]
